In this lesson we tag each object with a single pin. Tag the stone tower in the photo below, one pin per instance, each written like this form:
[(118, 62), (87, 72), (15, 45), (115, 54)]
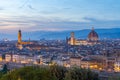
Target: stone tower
[(72, 39), (19, 37)]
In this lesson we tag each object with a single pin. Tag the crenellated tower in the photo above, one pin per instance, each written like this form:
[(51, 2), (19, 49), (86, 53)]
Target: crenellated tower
[(19, 37)]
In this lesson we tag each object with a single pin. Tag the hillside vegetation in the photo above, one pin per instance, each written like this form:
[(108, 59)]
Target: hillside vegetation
[(50, 73)]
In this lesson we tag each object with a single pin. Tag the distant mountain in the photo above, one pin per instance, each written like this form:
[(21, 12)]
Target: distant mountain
[(113, 33)]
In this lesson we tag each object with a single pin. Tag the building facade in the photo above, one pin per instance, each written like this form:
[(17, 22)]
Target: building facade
[(20, 42), (91, 39)]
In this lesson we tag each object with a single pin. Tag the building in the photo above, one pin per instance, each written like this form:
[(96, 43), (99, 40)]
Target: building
[(20, 39), (8, 57), (110, 63), (91, 61), (98, 62), (91, 40), (93, 36), (20, 42), (75, 61), (20, 58), (117, 65), (1, 57), (15, 58), (72, 39)]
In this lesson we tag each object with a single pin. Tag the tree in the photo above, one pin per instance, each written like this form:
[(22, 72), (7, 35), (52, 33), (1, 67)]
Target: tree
[(50, 73), (5, 69), (58, 71)]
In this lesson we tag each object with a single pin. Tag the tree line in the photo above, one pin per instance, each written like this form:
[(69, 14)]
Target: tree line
[(48, 73)]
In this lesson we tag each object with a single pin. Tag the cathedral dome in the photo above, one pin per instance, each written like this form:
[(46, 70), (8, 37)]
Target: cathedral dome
[(92, 36)]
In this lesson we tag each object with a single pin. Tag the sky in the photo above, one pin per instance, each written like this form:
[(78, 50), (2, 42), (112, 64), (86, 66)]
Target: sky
[(58, 15)]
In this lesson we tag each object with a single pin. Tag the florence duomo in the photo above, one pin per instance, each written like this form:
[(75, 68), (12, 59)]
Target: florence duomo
[(92, 39)]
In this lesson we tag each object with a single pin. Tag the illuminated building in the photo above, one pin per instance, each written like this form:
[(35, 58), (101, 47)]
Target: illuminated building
[(8, 57), (91, 61), (15, 58), (72, 39), (20, 42), (20, 46), (110, 63), (19, 37), (75, 61), (93, 36), (1, 57), (94, 62), (92, 39), (117, 65), (19, 58)]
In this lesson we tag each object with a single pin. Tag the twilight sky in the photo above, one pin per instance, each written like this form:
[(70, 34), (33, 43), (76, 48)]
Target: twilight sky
[(58, 15)]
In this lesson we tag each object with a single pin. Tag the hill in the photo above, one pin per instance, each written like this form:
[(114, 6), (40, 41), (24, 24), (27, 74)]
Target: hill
[(82, 34)]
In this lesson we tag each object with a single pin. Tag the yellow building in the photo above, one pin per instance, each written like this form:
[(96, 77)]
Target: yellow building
[(117, 65), (20, 39), (20, 42), (72, 39), (1, 58), (8, 57)]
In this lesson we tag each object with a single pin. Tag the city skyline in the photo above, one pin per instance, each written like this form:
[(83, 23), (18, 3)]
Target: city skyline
[(59, 40), (47, 15)]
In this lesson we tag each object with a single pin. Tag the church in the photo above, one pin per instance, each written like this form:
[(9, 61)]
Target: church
[(92, 39)]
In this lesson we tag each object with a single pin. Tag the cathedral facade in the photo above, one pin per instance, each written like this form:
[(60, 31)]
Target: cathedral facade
[(91, 39)]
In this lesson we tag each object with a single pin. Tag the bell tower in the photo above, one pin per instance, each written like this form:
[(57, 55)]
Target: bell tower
[(72, 39), (19, 36)]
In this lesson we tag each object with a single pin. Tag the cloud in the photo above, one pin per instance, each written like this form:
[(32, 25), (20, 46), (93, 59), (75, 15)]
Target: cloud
[(54, 10), (67, 8), (90, 19), (12, 24), (1, 8), (24, 4), (30, 6)]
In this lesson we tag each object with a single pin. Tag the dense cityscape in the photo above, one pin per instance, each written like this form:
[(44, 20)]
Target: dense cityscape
[(101, 56), (60, 40)]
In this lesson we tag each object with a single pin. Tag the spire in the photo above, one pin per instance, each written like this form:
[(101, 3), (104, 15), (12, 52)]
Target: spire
[(72, 34)]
